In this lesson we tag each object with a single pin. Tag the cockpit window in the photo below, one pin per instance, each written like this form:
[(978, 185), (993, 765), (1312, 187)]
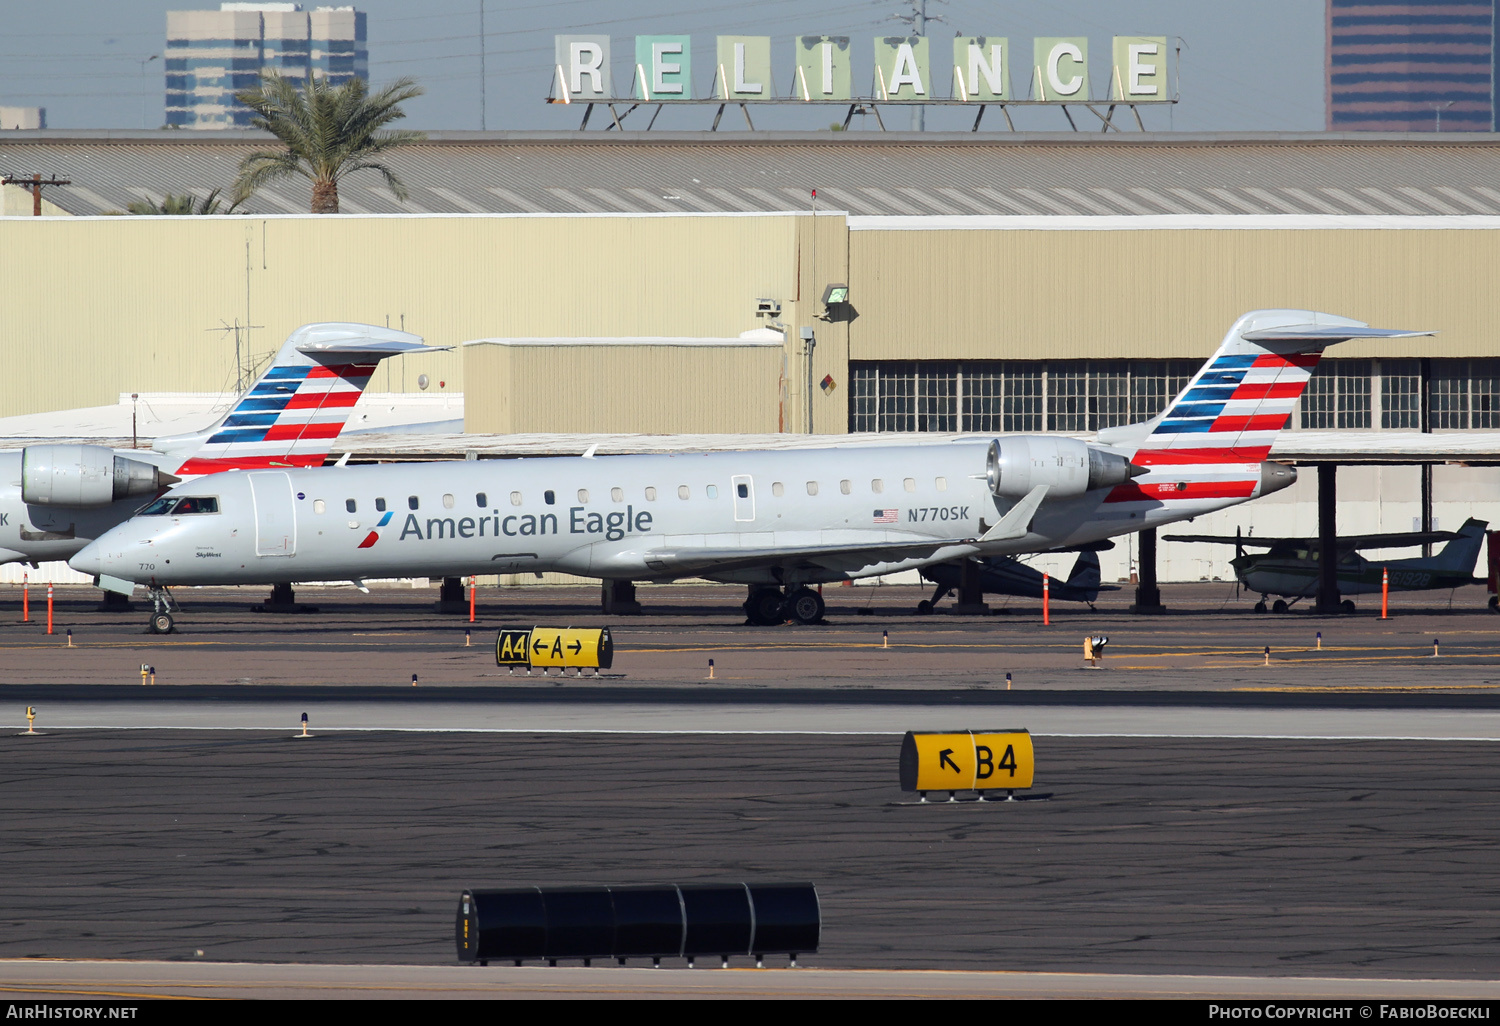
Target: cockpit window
[(180, 507)]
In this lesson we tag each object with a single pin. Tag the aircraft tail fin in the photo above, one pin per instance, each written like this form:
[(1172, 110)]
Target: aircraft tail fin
[(1462, 552), (291, 414), (1086, 576), (1233, 407)]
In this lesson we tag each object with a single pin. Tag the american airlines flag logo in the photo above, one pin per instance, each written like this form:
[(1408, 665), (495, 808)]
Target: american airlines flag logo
[(885, 516)]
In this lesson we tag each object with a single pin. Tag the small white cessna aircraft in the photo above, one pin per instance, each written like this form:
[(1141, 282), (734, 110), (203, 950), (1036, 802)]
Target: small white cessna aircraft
[(777, 521), (56, 498)]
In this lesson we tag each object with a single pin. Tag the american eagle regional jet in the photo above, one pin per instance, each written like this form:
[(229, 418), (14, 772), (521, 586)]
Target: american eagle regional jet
[(56, 498), (776, 521)]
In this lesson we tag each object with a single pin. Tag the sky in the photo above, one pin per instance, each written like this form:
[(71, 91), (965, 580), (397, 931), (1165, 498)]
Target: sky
[(1244, 66)]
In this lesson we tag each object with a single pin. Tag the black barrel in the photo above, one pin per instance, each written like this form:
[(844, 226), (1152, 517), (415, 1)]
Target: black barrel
[(661, 921), (502, 924), (648, 921), (580, 922), (787, 918), (718, 919)]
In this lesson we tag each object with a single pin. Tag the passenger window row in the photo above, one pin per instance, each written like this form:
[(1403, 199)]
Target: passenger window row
[(616, 494)]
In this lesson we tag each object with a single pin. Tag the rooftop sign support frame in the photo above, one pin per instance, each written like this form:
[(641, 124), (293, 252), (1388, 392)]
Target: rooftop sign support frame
[(1059, 74)]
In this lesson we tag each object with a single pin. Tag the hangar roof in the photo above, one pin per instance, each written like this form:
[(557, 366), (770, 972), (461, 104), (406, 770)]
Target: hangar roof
[(894, 173)]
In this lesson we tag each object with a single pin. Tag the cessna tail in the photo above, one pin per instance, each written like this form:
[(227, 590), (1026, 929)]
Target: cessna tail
[(778, 521)]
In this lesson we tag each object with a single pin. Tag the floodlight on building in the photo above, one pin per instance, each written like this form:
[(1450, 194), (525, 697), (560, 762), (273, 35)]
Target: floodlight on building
[(835, 294)]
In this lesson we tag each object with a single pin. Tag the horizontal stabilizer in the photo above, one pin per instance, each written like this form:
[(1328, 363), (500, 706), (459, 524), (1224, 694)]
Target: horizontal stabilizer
[(1326, 333)]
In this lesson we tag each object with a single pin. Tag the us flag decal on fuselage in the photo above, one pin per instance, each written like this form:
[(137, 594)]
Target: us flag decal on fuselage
[(885, 516)]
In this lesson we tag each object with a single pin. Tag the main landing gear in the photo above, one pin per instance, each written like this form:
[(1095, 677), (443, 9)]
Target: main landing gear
[(769, 606), (162, 606)]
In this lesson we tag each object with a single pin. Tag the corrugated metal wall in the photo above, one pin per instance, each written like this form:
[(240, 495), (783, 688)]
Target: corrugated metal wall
[(92, 307), (625, 388), (1058, 294)]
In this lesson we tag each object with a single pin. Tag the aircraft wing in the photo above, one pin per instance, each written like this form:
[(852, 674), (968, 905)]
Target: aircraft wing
[(1346, 541), (693, 559)]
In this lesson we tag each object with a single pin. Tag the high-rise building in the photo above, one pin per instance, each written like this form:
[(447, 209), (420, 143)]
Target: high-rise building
[(211, 55), (1420, 66)]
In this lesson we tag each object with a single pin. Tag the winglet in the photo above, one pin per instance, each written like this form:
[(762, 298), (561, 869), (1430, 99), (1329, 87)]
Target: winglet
[(1017, 522)]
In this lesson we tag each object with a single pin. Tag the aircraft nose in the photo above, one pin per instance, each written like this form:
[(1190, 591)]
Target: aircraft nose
[(89, 560)]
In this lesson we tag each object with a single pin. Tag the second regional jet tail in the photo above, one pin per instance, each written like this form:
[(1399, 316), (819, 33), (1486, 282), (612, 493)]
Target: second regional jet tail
[(298, 406), (1212, 440)]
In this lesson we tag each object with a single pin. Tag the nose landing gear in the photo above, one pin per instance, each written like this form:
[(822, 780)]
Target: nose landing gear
[(162, 606)]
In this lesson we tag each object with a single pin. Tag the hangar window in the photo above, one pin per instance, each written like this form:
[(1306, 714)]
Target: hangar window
[(1401, 394), (712, 491), (940, 483), (319, 506), (549, 497), (1011, 395), (877, 486), (380, 505), (481, 499), (515, 498), (351, 505), (846, 487), (1465, 393), (778, 489), (812, 488), (583, 495), (411, 502), (448, 500), (1338, 395), (650, 493), (617, 494), (910, 484)]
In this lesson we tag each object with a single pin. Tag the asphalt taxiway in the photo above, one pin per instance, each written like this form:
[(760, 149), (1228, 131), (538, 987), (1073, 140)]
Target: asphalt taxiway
[(1327, 813)]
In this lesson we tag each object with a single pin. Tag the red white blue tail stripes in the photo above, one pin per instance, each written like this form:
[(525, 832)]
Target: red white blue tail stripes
[(287, 419), (1209, 443), (291, 415), (1231, 411)]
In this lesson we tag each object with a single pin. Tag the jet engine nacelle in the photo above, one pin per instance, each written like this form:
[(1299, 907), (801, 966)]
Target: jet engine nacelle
[(85, 475), (1067, 466)]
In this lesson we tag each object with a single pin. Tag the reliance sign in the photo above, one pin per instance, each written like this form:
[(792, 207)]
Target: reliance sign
[(981, 70)]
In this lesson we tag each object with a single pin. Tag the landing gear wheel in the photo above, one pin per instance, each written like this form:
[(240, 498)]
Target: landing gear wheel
[(805, 606), (1279, 606), (924, 608), (1260, 607), (1495, 603), (764, 607), (1347, 606), (161, 623)]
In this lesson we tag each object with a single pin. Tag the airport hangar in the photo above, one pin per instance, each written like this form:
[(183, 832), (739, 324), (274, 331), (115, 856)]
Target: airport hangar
[(613, 285)]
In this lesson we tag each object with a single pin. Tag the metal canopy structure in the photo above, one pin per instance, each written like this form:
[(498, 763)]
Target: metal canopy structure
[(909, 174)]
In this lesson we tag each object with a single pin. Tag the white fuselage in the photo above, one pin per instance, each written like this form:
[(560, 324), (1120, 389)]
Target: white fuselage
[(834, 513)]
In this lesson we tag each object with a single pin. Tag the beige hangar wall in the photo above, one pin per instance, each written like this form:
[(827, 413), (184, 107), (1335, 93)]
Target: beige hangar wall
[(1070, 293), (100, 306)]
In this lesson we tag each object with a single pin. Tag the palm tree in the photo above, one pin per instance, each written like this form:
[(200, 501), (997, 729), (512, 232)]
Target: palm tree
[(328, 131), (172, 204)]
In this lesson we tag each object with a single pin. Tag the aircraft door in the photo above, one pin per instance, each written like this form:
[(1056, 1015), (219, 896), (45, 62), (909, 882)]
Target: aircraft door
[(744, 497), (275, 517)]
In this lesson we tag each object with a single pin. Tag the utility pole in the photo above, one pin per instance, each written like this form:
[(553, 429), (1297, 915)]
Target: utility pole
[(483, 83), (918, 19), (34, 184)]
